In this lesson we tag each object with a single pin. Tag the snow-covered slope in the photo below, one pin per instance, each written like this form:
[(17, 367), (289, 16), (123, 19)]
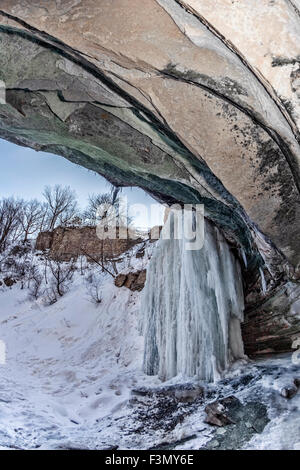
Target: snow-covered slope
[(72, 369), (66, 363)]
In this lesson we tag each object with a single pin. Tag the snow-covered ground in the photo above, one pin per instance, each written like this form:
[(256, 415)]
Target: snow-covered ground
[(71, 367), (68, 365)]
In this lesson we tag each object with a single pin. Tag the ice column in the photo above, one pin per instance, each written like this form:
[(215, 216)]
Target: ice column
[(192, 308)]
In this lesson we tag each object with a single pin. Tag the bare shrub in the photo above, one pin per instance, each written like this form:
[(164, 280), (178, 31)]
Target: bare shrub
[(35, 285), (20, 250), (50, 296), (83, 265), (95, 291), (21, 268), (89, 278), (94, 288), (61, 277)]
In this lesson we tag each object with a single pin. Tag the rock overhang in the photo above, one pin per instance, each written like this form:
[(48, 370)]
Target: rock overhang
[(175, 111)]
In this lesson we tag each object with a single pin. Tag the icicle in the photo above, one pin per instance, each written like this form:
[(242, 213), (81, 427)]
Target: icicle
[(263, 281), (244, 258), (192, 309)]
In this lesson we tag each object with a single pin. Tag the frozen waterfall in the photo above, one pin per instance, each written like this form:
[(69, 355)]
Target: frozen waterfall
[(192, 308)]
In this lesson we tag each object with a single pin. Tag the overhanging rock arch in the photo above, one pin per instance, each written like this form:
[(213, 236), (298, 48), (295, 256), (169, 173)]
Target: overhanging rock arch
[(171, 98)]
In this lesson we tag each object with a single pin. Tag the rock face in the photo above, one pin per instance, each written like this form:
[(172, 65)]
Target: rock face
[(274, 324), (44, 241), (67, 243), (133, 281), (192, 102)]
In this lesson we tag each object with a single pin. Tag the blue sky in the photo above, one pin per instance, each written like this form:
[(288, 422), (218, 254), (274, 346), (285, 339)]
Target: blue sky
[(25, 173)]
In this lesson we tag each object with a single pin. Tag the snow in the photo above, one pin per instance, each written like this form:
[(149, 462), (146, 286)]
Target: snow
[(71, 362), (283, 431), (71, 367)]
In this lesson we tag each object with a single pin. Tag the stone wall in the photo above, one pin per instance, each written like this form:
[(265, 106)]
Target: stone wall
[(67, 243)]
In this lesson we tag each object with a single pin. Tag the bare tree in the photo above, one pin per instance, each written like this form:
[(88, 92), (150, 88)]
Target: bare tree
[(62, 205), (106, 201), (44, 220), (10, 211), (62, 276), (31, 218)]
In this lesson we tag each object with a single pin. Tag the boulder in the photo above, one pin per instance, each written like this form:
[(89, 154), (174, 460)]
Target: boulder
[(134, 281), (289, 391), (217, 413)]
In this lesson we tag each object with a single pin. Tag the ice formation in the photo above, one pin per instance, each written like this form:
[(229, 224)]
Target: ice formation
[(192, 308), (263, 281)]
